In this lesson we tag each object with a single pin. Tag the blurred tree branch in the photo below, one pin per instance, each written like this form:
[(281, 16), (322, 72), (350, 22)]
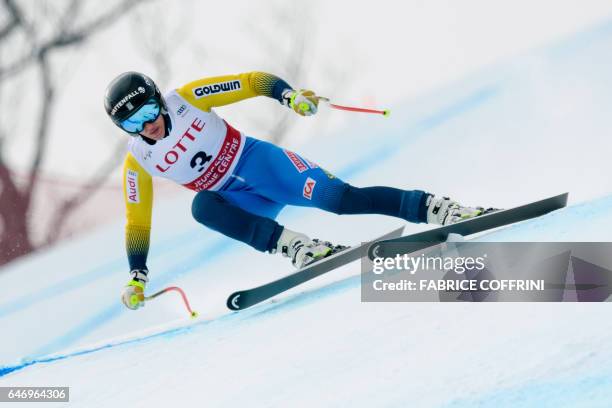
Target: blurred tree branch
[(71, 29), (66, 36), (158, 49), (69, 205), (290, 39), (15, 19)]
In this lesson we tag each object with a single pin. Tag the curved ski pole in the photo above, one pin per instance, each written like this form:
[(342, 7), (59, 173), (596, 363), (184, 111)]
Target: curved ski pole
[(385, 112), (192, 313)]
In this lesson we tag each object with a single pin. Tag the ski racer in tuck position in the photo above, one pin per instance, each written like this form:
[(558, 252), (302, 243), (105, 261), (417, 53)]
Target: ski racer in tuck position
[(242, 183)]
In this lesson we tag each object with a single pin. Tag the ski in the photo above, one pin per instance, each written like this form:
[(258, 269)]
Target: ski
[(421, 240), (246, 298)]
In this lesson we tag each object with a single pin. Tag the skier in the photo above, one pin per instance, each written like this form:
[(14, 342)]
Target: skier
[(242, 183)]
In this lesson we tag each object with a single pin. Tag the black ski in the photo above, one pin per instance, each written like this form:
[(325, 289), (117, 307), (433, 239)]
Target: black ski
[(246, 298), (421, 240)]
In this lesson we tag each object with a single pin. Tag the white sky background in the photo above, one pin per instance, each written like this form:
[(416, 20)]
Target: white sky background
[(373, 53)]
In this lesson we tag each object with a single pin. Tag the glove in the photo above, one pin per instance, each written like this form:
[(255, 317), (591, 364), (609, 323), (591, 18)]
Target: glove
[(303, 102), (133, 293)]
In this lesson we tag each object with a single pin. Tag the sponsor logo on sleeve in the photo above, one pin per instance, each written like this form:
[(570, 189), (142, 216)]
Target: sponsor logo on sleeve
[(213, 89), (309, 186), (297, 162), (131, 187)]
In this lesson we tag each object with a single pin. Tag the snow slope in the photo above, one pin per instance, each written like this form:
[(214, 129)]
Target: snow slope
[(324, 347), (526, 129)]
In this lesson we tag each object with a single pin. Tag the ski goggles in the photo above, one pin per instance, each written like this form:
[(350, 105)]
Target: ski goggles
[(147, 113)]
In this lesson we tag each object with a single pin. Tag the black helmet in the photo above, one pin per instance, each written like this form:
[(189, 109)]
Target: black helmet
[(127, 93)]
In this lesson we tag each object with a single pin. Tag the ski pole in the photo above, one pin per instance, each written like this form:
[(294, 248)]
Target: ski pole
[(384, 112), (179, 290)]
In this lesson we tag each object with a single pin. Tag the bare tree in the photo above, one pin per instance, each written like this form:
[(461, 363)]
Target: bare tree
[(159, 30), (289, 37), (31, 34)]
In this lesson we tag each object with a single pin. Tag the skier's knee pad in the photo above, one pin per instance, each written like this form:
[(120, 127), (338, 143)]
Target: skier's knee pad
[(207, 207), (214, 211)]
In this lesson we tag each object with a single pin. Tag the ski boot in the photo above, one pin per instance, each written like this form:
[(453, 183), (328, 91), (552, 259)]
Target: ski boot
[(444, 211), (302, 250)]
